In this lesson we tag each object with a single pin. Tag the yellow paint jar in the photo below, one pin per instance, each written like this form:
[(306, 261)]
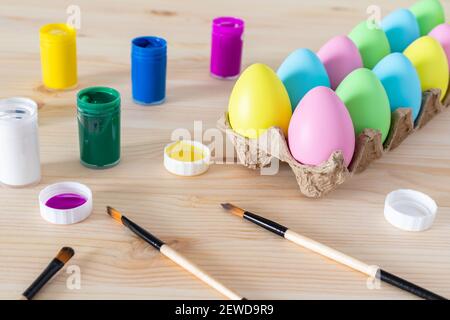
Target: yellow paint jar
[(58, 56)]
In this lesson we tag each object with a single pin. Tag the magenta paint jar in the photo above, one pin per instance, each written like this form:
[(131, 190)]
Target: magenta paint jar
[(226, 47)]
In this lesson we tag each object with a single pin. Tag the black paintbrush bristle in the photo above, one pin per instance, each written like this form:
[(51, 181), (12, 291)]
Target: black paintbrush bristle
[(116, 215), (233, 209), (65, 254)]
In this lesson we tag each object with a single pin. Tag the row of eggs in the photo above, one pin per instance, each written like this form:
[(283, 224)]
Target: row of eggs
[(322, 100)]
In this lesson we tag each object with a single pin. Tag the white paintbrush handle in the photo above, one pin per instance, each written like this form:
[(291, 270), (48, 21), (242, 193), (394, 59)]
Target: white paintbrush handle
[(331, 253), (196, 271)]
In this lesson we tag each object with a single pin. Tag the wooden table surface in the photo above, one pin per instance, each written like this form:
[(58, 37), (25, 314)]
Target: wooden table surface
[(185, 211)]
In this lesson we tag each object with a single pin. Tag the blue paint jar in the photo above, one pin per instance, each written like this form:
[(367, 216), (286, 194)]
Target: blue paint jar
[(148, 70)]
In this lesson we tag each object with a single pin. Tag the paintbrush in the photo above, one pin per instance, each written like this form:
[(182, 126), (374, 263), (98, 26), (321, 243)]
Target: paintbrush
[(64, 255), (173, 255), (372, 271)]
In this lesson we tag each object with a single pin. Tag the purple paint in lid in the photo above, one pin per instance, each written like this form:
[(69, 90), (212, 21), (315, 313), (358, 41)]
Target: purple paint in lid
[(226, 47), (66, 201)]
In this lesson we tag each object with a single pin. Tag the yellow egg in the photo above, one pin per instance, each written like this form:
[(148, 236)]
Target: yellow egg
[(430, 61), (259, 101)]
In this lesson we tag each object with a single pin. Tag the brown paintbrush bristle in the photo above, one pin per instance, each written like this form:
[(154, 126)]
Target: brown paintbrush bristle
[(116, 215), (233, 209), (65, 254)]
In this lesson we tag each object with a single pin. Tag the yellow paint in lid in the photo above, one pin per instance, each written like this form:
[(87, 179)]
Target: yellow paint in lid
[(186, 158), (185, 151)]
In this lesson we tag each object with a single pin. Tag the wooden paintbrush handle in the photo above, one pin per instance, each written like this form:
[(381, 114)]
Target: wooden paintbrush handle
[(196, 271), (331, 253)]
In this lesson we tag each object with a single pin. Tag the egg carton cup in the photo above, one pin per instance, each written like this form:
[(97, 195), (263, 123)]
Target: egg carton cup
[(317, 181)]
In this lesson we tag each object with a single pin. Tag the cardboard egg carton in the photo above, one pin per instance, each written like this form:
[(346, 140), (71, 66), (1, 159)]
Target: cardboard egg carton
[(317, 181)]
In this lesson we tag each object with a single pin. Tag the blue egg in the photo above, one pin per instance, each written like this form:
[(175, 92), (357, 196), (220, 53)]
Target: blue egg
[(300, 72), (401, 82), (401, 28)]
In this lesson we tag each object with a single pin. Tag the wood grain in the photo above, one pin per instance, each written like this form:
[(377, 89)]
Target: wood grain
[(184, 212)]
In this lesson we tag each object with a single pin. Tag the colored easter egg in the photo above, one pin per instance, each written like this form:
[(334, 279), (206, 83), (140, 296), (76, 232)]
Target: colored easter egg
[(372, 43), (442, 34), (367, 101), (429, 14), (320, 126), (300, 72), (401, 29), (340, 56), (401, 82), (259, 101), (430, 61)]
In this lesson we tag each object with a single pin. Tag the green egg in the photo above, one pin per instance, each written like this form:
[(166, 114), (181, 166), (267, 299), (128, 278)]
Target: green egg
[(429, 14), (367, 102), (372, 43)]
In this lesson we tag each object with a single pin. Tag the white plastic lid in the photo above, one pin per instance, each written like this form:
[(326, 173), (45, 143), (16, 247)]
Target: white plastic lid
[(65, 216), (410, 210), (187, 168)]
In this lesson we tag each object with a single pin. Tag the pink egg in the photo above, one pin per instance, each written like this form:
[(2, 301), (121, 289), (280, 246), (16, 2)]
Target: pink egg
[(442, 34), (340, 56), (320, 126)]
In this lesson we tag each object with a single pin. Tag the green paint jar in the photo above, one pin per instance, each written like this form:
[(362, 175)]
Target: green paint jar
[(99, 127)]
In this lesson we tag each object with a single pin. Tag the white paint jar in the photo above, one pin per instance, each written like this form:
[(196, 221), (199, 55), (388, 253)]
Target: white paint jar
[(19, 142)]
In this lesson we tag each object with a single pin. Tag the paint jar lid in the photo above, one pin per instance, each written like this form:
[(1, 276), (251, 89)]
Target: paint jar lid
[(17, 111), (410, 210), (230, 26), (187, 158), (65, 202), (149, 47), (57, 33), (98, 101)]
